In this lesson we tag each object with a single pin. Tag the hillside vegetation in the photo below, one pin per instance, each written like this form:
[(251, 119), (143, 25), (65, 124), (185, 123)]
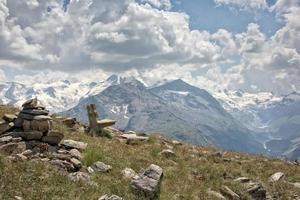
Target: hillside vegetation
[(188, 175)]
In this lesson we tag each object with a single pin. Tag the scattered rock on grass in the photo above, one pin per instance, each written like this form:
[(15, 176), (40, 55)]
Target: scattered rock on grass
[(112, 197), (148, 182), (276, 177), (168, 153), (72, 144), (216, 195), (79, 176), (226, 191), (129, 173), (254, 189), (99, 167)]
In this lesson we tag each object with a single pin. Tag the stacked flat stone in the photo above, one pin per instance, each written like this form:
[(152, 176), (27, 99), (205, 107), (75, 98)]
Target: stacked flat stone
[(30, 135)]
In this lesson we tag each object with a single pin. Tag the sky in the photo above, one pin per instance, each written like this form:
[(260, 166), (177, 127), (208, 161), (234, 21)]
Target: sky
[(213, 44)]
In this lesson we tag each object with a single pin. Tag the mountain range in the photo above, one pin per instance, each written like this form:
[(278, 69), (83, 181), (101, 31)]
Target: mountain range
[(232, 120)]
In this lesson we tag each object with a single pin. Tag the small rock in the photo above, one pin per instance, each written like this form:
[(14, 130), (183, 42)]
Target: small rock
[(297, 185), (133, 138), (75, 153), (27, 153), (226, 191), (74, 144), (99, 167), (148, 182), (5, 139), (20, 157), (16, 139), (9, 117), (128, 173), (35, 112), (276, 177), (79, 176), (18, 198), (113, 197), (168, 153), (76, 163), (34, 117), (216, 195), (63, 164), (5, 126), (13, 148), (254, 189), (177, 143), (70, 122), (31, 104), (53, 138)]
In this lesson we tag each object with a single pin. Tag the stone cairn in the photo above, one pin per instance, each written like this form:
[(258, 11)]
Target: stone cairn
[(30, 135)]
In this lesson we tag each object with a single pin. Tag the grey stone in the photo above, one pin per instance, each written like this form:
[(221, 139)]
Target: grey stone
[(226, 191), (148, 182), (33, 135), (72, 144), (276, 177), (75, 153), (5, 139), (9, 117), (63, 164), (79, 176), (129, 173), (35, 112), (99, 167), (254, 189), (168, 153), (32, 104), (112, 197), (53, 138), (216, 195), (76, 163), (13, 148), (5, 126)]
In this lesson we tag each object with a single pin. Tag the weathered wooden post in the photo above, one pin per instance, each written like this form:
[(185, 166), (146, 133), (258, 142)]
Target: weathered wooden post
[(97, 126), (93, 115)]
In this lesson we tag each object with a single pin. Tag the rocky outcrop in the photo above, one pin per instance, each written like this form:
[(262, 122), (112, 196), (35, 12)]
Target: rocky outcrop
[(148, 182)]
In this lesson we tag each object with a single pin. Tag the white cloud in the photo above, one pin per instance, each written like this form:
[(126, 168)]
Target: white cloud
[(2, 76), (244, 4), (97, 37), (165, 4)]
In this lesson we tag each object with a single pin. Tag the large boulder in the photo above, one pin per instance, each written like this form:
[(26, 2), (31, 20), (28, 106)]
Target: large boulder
[(148, 183)]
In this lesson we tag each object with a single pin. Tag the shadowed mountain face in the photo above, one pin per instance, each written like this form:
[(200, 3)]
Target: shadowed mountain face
[(176, 109)]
